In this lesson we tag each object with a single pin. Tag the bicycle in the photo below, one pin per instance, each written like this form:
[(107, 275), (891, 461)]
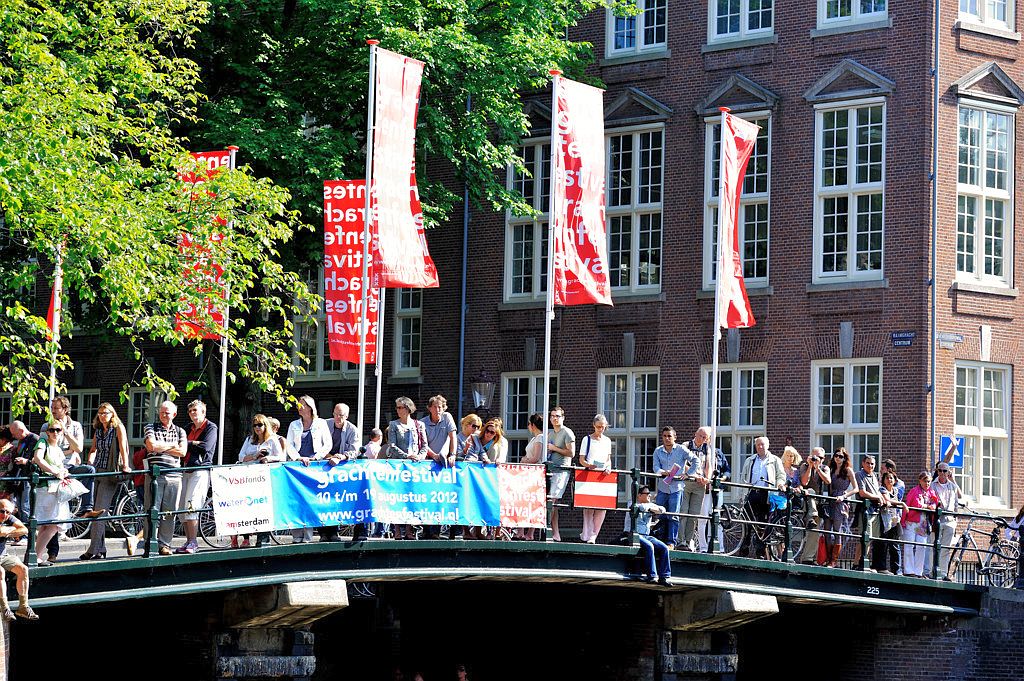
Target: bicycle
[(738, 521), (999, 566), (122, 503)]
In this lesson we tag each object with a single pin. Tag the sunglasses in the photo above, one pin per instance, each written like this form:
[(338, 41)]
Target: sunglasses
[(54, 430), (491, 431), (258, 425)]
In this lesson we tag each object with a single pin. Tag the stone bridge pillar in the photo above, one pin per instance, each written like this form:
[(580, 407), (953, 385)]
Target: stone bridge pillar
[(696, 642), (267, 630)]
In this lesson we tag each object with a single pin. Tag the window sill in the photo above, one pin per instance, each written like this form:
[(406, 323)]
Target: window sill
[(638, 297), (522, 305), (973, 287), (405, 380), (994, 31), (738, 43), (850, 27), (848, 286), (752, 292), (325, 382), (621, 60)]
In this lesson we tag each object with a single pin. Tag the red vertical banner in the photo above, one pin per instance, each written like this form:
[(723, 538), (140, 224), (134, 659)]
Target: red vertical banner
[(577, 203), (738, 140), (344, 231), (200, 270), (401, 257)]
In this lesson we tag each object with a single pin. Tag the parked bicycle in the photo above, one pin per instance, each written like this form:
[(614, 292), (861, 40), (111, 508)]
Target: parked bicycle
[(998, 563), (737, 521)]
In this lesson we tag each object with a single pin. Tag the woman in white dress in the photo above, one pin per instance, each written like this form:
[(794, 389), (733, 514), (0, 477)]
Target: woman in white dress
[(49, 457), (535, 451)]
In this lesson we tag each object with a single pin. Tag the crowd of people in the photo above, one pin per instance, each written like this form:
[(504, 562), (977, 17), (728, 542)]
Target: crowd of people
[(900, 520)]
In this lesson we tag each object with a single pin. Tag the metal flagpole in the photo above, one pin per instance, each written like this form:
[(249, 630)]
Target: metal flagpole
[(549, 310), (224, 342), (57, 294), (370, 105), (380, 355)]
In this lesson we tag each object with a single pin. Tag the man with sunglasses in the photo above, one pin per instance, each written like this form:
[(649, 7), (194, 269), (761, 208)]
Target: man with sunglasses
[(949, 495), (195, 485), (12, 528)]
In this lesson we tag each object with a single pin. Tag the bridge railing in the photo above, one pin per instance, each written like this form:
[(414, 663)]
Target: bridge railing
[(777, 528)]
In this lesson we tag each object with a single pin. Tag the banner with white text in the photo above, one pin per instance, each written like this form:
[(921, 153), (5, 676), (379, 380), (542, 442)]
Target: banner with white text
[(577, 204), (344, 232), (243, 499)]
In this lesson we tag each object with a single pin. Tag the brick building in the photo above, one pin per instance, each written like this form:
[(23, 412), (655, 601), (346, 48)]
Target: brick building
[(836, 233)]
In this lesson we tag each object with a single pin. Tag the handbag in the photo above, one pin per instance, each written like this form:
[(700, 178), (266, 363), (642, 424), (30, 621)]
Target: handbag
[(822, 554), (67, 489)]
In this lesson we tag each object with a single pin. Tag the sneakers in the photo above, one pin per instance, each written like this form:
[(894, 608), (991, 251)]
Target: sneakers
[(189, 547), (26, 612), (7, 614), (663, 581)]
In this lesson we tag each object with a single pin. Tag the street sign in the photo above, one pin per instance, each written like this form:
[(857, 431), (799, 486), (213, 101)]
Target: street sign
[(903, 339), (947, 337), (956, 445)]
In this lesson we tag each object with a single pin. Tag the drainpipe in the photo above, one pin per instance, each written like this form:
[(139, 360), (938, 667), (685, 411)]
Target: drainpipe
[(464, 307), (935, 227)]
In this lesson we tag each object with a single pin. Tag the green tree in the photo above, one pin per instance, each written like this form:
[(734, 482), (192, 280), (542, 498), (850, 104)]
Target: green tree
[(287, 82), (90, 94)]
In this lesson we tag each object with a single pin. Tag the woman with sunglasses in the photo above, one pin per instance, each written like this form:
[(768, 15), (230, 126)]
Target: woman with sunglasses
[(842, 487), (262, 446), (109, 454), (49, 457), (493, 445), (407, 439), (917, 524), (467, 441)]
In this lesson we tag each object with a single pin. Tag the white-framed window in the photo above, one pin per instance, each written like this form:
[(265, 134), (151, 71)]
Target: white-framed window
[(841, 12), (643, 32), (5, 410), (739, 19), (408, 331), (982, 419), (311, 340), (143, 408), (846, 406), (634, 209), (754, 203), (628, 397), (84, 405), (849, 191), (526, 236), (522, 394), (742, 412), (984, 217), (998, 13)]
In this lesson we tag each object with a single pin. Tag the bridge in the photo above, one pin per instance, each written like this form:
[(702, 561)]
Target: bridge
[(274, 612)]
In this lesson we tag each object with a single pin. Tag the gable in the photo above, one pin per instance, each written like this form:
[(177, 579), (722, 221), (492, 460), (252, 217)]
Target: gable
[(739, 94), (990, 83), (635, 107), (847, 80)]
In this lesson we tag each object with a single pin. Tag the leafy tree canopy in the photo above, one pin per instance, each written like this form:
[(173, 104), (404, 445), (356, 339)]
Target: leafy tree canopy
[(89, 166)]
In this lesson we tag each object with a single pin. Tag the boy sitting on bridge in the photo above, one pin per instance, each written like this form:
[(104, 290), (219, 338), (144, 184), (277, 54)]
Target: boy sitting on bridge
[(12, 528)]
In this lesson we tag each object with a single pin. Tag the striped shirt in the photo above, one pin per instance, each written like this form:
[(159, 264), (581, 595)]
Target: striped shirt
[(171, 435)]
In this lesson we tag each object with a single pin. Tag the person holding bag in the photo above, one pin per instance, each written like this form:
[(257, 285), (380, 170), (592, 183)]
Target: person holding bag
[(109, 454), (595, 454), (50, 507)]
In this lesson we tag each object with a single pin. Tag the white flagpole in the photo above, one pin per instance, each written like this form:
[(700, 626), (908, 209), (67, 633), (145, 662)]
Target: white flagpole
[(549, 310), (58, 304), (380, 354), (224, 342), (370, 106), (717, 335)]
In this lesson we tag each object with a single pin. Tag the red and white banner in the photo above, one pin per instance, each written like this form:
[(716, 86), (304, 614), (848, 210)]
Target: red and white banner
[(200, 270), (521, 490), (344, 232), (738, 140), (53, 312), (595, 489), (401, 257), (577, 205)]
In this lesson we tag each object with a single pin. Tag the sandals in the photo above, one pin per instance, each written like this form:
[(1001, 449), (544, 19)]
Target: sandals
[(92, 556)]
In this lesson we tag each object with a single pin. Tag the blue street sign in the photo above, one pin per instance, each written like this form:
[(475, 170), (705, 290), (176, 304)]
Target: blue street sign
[(947, 443)]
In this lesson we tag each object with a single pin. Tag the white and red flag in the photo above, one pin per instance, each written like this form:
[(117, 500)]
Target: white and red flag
[(580, 247), (53, 312), (344, 231), (595, 489), (738, 140), (401, 258)]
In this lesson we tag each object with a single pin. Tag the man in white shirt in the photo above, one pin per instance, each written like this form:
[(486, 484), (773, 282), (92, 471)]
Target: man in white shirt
[(949, 494), (764, 470)]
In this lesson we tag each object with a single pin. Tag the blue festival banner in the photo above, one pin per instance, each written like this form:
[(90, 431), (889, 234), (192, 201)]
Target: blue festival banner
[(386, 491)]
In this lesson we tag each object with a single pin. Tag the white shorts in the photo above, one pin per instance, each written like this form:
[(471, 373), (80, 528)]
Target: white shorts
[(559, 478), (194, 487)]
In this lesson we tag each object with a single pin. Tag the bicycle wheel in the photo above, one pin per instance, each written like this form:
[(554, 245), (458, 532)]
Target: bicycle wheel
[(208, 529), (797, 537), (78, 528), (128, 505), (1002, 565), (956, 557), (733, 529)]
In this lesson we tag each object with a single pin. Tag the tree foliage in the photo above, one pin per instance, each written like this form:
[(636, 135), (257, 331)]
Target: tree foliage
[(287, 82), (90, 96)]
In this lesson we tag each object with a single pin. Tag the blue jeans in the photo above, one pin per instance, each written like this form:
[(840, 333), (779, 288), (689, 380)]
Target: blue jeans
[(655, 556), (668, 528)]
